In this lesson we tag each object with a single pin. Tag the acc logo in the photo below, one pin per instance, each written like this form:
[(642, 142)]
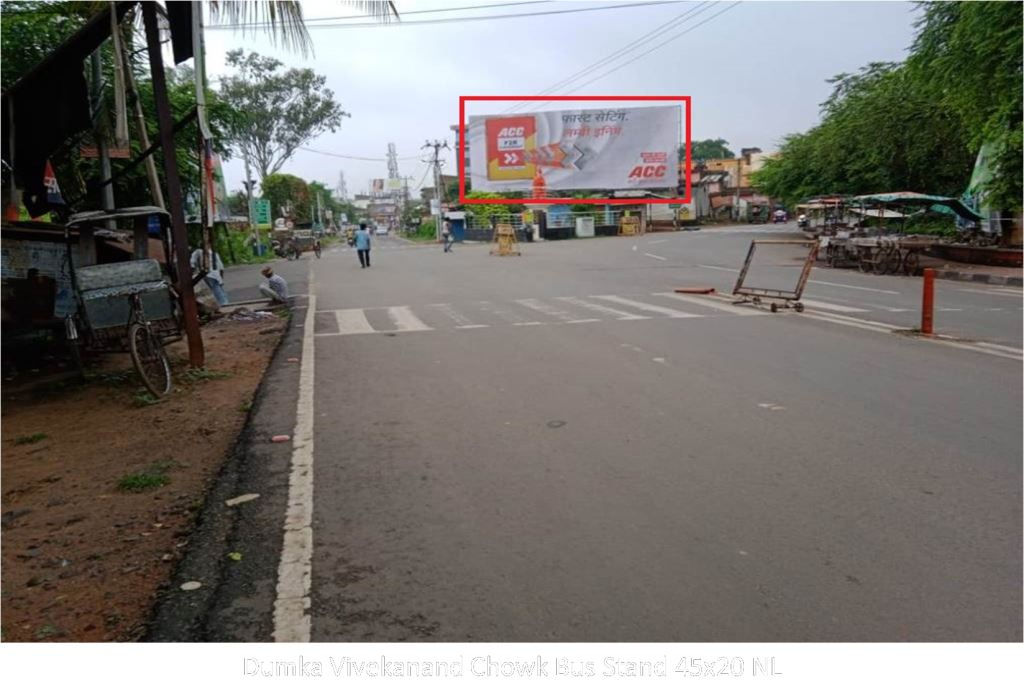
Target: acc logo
[(647, 171), (512, 131)]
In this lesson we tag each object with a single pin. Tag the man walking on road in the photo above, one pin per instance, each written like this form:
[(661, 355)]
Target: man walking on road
[(363, 245), (446, 234)]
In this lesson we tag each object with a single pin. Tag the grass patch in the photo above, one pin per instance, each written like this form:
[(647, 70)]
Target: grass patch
[(47, 631), (200, 374), (143, 399), (111, 379), (245, 407), (148, 479), (31, 439)]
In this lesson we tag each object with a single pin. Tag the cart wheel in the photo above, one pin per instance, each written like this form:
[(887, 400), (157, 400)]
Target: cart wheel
[(150, 359), (774, 308), (911, 262), (798, 307)]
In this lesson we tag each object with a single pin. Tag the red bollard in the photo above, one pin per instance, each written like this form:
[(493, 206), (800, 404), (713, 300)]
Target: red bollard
[(928, 302)]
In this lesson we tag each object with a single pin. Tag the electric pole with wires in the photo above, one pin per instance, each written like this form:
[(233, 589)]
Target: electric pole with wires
[(436, 162)]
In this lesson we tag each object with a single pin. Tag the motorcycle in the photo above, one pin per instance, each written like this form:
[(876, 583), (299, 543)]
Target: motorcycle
[(802, 222)]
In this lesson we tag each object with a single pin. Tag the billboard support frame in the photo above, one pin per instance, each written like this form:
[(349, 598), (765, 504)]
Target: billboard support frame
[(687, 198)]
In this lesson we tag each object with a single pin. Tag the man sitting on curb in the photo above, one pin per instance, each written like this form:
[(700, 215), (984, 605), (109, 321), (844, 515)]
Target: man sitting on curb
[(274, 287)]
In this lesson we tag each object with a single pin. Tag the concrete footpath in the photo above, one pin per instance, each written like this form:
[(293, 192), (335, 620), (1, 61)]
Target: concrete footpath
[(981, 274)]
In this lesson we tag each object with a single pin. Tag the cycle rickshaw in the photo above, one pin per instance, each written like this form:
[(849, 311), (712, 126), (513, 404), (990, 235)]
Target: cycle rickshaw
[(127, 306)]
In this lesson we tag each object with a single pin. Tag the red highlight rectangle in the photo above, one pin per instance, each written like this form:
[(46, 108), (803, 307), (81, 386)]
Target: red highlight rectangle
[(513, 160)]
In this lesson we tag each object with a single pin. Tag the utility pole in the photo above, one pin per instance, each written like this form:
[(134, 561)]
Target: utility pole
[(250, 186), (736, 199), (437, 146), (174, 200)]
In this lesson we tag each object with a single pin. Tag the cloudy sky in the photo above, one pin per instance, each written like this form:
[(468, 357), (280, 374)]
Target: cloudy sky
[(756, 70)]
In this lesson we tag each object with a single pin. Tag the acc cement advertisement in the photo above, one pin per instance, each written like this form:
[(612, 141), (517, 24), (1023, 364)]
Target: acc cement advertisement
[(614, 148)]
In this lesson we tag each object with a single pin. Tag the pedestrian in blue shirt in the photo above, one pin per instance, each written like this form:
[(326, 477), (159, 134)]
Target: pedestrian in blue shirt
[(363, 245)]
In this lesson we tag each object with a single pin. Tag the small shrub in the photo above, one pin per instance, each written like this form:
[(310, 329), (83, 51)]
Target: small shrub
[(31, 439), (143, 399), (200, 374), (149, 479)]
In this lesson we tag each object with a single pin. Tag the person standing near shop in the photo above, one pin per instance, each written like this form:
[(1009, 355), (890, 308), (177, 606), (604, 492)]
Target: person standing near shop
[(363, 245), (214, 277)]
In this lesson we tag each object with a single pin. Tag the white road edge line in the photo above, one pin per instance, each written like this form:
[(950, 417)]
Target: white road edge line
[(292, 621), (651, 255), (977, 347)]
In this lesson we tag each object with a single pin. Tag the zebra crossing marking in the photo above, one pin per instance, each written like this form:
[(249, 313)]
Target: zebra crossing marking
[(711, 302), (353, 321), (405, 321), (461, 321), (552, 311), (599, 308), (640, 306)]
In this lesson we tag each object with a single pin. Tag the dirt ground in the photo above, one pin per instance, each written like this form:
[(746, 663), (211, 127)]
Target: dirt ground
[(100, 486)]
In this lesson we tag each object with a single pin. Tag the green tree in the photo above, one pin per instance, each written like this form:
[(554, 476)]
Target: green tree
[(968, 56), (485, 211), (707, 149), (29, 31), (276, 110), (288, 192), (880, 131)]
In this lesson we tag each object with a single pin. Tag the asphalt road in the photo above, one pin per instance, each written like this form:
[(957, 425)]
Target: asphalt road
[(549, 447)]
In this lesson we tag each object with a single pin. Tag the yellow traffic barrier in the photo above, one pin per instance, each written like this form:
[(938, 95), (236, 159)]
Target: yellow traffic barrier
[(630, 226), (505, 237)]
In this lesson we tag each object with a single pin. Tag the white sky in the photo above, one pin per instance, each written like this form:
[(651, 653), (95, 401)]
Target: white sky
[(756, 73)]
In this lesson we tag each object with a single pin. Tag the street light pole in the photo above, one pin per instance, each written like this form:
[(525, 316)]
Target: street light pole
[(436, 162)]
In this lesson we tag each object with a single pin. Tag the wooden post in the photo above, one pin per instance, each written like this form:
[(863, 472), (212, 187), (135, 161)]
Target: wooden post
[(175, 205)]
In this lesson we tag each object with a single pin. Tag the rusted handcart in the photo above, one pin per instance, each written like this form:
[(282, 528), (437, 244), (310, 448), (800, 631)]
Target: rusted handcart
[(891, 255), (803, 257)]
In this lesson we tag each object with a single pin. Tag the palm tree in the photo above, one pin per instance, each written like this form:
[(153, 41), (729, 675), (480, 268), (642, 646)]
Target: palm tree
[(283, 20)]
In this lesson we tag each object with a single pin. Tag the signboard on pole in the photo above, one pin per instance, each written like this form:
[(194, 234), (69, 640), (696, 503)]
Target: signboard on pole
[(261, 213), (608, 148)]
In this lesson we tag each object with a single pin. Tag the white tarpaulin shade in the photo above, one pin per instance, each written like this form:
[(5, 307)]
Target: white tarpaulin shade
[(877, 212)]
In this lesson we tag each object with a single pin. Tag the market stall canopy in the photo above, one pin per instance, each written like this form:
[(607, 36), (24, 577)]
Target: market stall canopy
[(913, 198)]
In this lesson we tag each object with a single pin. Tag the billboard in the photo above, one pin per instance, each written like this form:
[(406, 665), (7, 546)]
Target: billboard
[(604, 148), (378, 186)]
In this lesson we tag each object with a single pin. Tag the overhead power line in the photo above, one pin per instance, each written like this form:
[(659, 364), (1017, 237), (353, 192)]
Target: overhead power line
[(629, 47), (354, 157), (453, 20), (648, 52), (434, 11)]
